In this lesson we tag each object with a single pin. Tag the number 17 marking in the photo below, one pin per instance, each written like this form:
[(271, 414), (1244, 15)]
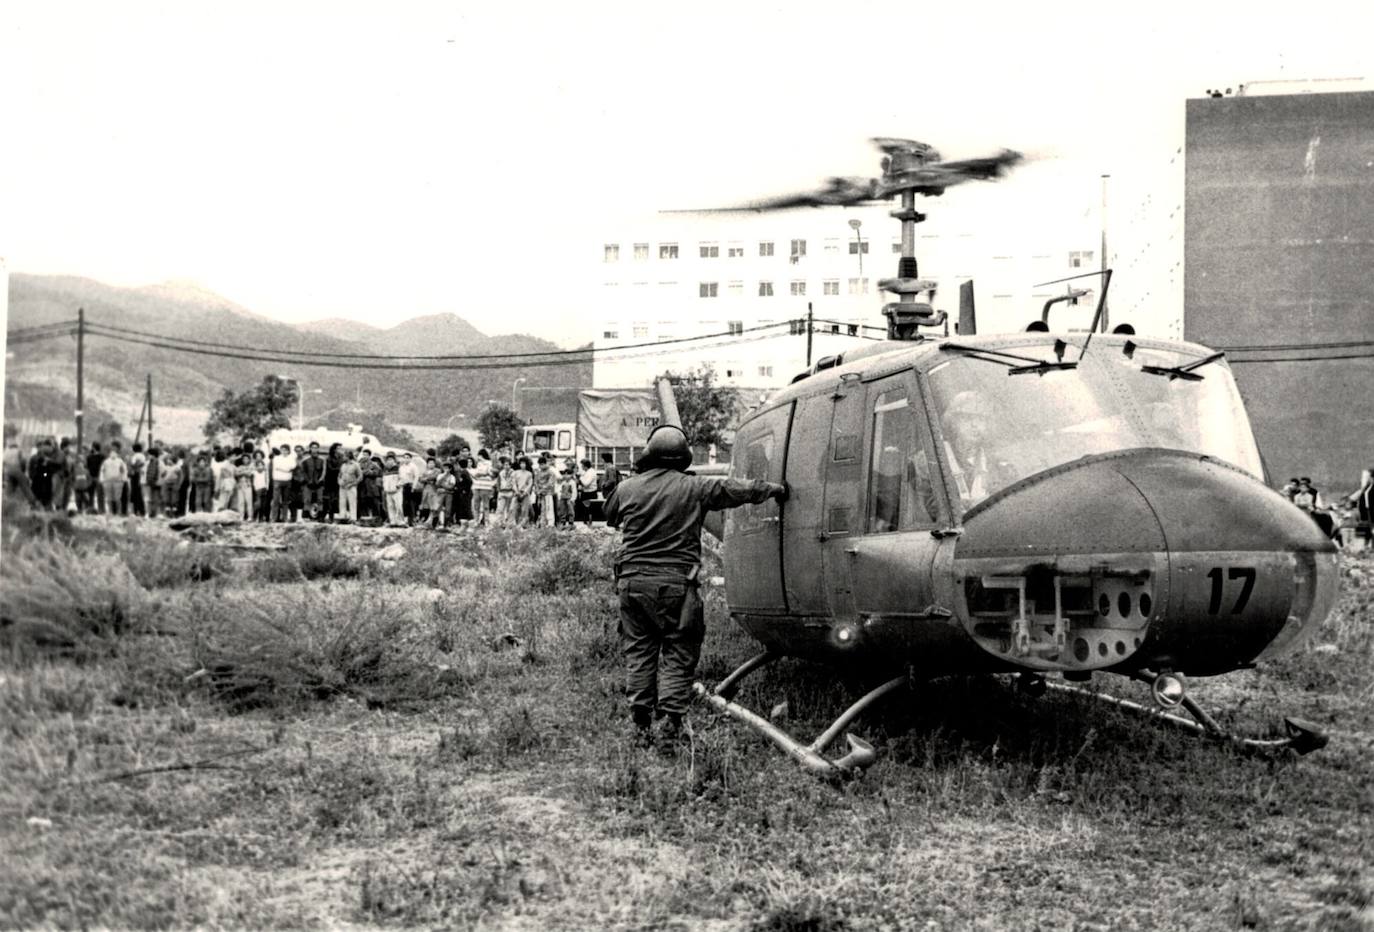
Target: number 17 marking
[(1246, 573)]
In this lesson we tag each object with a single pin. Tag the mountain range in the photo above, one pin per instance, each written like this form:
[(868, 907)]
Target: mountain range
[(115, 369)]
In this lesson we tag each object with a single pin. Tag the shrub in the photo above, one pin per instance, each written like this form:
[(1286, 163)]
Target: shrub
[(570, 566), (164, 564), (55, 599), (309, 645)]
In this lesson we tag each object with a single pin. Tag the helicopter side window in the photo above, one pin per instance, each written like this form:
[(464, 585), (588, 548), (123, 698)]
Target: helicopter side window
[(897, 467), (755, 463)]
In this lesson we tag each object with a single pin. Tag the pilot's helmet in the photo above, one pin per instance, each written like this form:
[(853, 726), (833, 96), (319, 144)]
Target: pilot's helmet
[(667, 447), (969, 404)]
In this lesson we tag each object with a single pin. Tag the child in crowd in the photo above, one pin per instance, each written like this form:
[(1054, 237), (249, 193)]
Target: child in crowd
[(429, 489), (505, 493), (567, 496), (169, 476), (462, 492), (522, 484), (261, 486), (202, 485), (113, 476), (443, 485), (243, 492), (483, 487)]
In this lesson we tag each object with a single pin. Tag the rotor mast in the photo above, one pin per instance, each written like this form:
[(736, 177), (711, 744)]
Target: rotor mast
[(908, 313)]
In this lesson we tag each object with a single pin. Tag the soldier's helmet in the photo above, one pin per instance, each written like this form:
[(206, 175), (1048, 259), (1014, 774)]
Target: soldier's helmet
[(668, 447)]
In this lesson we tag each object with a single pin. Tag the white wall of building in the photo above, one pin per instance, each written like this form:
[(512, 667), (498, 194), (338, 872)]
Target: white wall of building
[(675, 275)]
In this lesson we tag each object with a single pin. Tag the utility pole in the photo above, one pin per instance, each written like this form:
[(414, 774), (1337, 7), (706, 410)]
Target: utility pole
[(810, 318), (1104, 247), (80, 372), (150, 410)]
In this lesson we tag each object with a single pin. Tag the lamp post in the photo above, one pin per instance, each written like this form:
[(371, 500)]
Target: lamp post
[(859, 249), (515, 394), (300, 399)]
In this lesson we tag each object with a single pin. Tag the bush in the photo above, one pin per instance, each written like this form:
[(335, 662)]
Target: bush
[(308, 558), (59, 600), (308, 645), (166, 564), (568, 566)]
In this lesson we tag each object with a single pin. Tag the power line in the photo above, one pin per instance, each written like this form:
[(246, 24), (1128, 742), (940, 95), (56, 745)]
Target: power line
[(432, 366), (96, 327)]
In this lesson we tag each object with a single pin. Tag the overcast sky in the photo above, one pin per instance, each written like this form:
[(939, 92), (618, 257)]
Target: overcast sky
[(379, 161)]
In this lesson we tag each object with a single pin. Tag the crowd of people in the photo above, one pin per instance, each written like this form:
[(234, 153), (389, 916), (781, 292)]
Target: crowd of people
[(289, 483), (1301, 492)]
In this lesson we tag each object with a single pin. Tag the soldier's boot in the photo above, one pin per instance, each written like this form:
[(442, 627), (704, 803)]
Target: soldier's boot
[(675, 734), (642, 735)]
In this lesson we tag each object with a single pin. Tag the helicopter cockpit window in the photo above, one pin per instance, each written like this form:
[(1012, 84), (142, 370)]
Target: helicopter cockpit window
[(1200, 416), (894, 499), (997, 430)]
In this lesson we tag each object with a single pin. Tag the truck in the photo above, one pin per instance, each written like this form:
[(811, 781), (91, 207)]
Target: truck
[(615, 421)]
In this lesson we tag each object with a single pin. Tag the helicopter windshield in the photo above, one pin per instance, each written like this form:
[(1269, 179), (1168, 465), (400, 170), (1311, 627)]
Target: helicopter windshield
[(997, 431)]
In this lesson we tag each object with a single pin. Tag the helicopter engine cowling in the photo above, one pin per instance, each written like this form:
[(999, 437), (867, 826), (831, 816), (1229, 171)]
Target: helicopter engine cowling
[(1141, 559)]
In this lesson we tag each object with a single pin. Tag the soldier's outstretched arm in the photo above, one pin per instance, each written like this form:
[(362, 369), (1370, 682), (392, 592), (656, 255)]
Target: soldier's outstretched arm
[(720, 493)]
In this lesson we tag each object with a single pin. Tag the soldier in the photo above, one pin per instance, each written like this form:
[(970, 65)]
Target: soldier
[(660, 511)]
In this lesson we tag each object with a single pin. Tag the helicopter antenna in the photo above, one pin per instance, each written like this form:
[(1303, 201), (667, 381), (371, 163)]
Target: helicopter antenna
[(1101, 301)]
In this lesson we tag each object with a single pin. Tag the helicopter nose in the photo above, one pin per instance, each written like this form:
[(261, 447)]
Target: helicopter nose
[(1249, 574), (1142, 558)]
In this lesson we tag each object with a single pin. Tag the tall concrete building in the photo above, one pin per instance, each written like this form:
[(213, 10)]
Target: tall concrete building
[(1279, 251)]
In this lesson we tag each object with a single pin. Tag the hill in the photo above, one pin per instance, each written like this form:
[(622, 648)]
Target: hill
[(115, 370)]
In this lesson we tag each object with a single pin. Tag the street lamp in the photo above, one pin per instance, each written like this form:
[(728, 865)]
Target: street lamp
[(859, 249), (515, 393), (300, 398)]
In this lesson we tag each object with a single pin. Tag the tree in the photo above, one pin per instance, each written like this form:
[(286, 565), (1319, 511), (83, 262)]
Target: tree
[(451, 445), (253, 413), (498, 424), (707, 410)]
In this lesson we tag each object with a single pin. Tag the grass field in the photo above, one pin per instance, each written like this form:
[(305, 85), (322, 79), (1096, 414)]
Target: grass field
[(195, 736)]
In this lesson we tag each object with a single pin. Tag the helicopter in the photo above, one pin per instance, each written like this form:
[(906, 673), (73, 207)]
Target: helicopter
[(1034, 503)]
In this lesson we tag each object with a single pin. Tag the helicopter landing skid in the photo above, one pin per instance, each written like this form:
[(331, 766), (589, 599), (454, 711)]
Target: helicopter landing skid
[(861, 754), (1303, 736)]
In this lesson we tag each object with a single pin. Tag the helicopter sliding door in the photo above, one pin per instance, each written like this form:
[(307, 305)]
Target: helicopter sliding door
[(890, 559), (753, 557), (824, 473)]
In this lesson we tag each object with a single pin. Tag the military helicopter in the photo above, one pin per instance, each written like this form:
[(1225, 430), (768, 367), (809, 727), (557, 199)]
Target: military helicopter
[(1032, 503)]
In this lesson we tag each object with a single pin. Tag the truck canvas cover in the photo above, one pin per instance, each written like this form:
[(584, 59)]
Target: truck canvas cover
[(616, 417)]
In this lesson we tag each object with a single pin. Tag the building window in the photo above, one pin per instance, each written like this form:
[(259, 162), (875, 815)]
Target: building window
[(831, 286), (897, 247), (735, 251), (709, 250), (735, 289), (765, 289), (707, 289), (611, 332), (1080, 260), (641, 252), (798, 289), (859, 247), (765, 248), (798, 248), (736, 327), (640, 330), (832, 246), (612, 252), (667, 250), (766, 371), (858, 286), (734, 370)]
